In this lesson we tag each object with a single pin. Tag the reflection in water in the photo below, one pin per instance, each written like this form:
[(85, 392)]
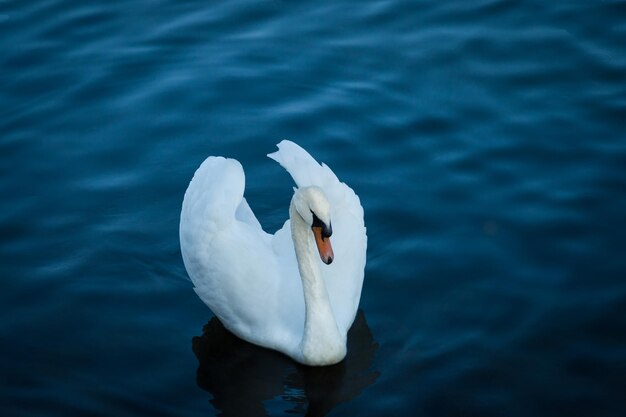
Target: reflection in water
[(242, 376)]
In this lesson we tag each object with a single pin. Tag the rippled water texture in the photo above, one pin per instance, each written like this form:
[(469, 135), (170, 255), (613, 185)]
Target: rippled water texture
[(486, 140)]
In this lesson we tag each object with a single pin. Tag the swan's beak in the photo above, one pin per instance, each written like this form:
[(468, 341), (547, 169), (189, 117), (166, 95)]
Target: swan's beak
[(323, 245)]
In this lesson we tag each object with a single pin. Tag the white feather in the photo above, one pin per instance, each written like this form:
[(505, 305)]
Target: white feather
[(249, 278)]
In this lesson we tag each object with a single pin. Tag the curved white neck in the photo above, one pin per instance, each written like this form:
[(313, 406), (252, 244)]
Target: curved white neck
[(322, 343)]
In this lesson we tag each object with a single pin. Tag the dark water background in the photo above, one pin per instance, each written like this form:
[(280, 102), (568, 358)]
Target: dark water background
[(486, 139)]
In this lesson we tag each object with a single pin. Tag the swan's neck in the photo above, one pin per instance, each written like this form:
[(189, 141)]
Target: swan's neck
[(322, 343)]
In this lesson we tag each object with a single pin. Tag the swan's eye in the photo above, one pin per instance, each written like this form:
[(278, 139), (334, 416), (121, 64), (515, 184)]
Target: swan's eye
[(327, 230)]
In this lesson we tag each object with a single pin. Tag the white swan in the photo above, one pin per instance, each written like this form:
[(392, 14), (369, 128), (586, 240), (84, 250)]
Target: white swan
[(273, 290)]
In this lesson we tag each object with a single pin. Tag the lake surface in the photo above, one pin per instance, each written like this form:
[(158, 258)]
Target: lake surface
[(486, 140)]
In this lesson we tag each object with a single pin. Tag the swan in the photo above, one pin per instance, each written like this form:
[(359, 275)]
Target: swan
[(292, 291)]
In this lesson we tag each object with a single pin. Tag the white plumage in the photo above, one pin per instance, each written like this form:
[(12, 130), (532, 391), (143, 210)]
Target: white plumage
[(252, 280)]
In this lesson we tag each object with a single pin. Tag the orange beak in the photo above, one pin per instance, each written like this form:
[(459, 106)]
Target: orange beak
[(323, 245)]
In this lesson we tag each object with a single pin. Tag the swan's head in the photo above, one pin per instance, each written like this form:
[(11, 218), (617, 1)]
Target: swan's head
[(314, 208)]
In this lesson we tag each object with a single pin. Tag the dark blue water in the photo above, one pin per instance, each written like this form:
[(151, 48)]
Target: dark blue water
[(486, 140)]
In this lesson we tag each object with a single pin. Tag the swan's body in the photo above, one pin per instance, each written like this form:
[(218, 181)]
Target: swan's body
[(274, 290)]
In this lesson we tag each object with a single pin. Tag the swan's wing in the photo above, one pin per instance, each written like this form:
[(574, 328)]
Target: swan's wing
[(245, 214), (215, 194), (344, 277), (229, 257)]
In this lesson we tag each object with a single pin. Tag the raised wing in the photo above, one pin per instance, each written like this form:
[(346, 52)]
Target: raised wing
[(226, 253), (344, 277)]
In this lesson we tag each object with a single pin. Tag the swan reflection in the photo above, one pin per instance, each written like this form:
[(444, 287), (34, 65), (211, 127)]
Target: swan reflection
[(246, 380)]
